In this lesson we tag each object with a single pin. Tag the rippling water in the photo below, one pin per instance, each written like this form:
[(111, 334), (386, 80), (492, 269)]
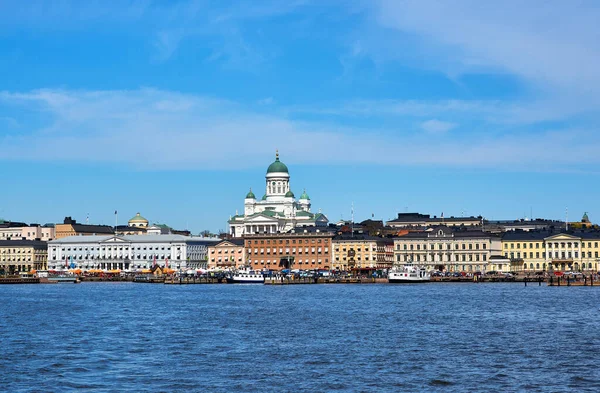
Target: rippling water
[(253, 338)]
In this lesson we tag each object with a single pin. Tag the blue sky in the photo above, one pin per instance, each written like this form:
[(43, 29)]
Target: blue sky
[(175, 108)]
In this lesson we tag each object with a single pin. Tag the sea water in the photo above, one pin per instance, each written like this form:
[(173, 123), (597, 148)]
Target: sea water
[(114, 337)]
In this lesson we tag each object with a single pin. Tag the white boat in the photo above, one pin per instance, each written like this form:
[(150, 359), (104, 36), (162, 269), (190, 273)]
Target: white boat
[(246, 276), (408, 274)]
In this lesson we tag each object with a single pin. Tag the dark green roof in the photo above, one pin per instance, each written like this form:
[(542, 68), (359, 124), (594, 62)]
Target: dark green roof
[(269, 213), (250, 195), (289, 194), (304, 195), (277, 166), (264, 198)]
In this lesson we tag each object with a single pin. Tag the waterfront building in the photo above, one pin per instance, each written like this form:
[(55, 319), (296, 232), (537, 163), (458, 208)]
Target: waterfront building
[(277, 211), (359, 251), (301, 248), (128, 252), (447, 248), (23, 255), (21, 231), (71, 227), (228, 253), (537, 251), (198, 251), (425, 220)]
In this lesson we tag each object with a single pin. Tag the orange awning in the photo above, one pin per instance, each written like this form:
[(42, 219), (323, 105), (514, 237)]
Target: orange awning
[(115, 271), (168, 271)]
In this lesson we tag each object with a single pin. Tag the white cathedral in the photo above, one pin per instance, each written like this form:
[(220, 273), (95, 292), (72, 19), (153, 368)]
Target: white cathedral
[(278, 210)]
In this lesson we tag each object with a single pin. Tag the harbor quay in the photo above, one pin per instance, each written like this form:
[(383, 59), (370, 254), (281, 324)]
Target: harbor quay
[(301, 278)]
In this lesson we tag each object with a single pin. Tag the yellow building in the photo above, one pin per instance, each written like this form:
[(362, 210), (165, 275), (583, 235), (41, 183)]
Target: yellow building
[(71, 227), (359, 252), (18, 256), (545, 251)]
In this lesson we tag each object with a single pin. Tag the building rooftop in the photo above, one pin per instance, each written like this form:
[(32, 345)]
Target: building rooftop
[(23, 243)]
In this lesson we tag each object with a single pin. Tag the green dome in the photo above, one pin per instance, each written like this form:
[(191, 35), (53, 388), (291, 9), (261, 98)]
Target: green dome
[(250, 195), (264, 198), (289, 194), (277, 166), (304, 195), (138, 218)]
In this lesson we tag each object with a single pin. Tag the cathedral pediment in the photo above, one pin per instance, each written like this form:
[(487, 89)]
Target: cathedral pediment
[(263, 218)]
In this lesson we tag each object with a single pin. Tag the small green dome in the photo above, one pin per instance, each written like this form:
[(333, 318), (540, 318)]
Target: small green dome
[(289, 194), (304, 195), (264, 198), (250, 195), (277, 166), (138, 218)]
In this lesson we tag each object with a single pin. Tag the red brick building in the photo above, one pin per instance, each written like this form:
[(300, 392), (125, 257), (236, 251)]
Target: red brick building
[(304, 250)]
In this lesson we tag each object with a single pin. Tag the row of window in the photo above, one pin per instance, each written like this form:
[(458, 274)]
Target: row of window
[(287, 241), (550, 244), (16, 251), (117, 248), (367, 249), (555, 254), (537, 266), (462, 246), (440, 258), (226, 251), (276, 262), (313, 250), (138, 256)]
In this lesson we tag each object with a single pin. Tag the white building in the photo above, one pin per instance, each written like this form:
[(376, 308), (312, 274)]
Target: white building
[(278, 210), (128, 252)]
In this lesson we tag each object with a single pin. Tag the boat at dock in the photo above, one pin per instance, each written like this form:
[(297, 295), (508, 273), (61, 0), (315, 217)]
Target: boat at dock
[(408, 274), (245, 276), (61, 279)]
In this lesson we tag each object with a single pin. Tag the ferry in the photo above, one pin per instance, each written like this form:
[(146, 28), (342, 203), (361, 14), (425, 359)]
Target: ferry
[(246, 276), (408, 274)]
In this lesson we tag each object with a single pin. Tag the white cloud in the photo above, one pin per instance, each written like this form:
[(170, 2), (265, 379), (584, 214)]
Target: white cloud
[(266, 101), (154, 129), (435, 126), (552, 45)]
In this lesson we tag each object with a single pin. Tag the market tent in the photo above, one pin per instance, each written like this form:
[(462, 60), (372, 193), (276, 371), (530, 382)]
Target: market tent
[(114, 271), (95, 271), (146, 271), (168, 271), (75, 271)]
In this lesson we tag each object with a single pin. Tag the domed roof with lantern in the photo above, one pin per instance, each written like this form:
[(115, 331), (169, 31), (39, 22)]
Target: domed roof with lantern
[(277, 166)]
